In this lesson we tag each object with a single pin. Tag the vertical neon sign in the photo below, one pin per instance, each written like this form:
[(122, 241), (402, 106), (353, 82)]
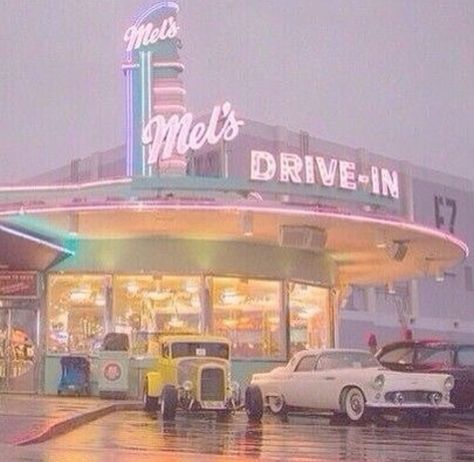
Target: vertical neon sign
[(153, 86)]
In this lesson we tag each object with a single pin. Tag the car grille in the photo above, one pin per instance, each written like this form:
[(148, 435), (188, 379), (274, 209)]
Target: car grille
[(410, 396), (212, 384)]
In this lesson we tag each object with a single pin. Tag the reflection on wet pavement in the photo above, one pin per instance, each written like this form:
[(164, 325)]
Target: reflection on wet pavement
[(192, 437)]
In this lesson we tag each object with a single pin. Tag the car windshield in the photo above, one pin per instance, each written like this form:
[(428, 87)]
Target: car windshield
[(435, 356), (400, 355), (200, 349), (466, 356), (343, 360)]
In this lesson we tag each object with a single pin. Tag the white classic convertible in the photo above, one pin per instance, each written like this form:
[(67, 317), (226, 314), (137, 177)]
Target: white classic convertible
[(349, 382)]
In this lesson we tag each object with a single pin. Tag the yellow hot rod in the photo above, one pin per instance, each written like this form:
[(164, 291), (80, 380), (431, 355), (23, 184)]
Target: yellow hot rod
[(192, 373)]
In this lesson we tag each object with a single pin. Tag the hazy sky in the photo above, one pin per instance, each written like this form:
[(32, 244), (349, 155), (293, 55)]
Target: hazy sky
[(394, 77)]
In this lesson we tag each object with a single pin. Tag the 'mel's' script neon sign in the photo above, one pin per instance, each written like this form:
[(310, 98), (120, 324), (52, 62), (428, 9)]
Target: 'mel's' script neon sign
[(177, 134), (148, 34)]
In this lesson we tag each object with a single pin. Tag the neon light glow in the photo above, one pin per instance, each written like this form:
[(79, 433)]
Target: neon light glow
[(164, 90), (126, 67), (63, 187), (176, 65), (169, 108), (175, 134), (332, 172), (144, 35)]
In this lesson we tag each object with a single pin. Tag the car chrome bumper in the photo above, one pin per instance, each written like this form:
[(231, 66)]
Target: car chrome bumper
[(409, 406), (213, 405)]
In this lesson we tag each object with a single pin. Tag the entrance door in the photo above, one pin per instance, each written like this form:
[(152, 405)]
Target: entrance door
[(18, 346)]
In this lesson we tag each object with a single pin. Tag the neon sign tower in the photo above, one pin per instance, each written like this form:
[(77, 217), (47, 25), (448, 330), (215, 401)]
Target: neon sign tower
[(153, 85)]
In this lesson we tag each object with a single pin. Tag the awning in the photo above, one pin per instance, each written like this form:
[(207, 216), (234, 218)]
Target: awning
[(22, 249)]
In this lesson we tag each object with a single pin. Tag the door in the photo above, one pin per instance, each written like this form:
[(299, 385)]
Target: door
[(18, 346), (298, 388)]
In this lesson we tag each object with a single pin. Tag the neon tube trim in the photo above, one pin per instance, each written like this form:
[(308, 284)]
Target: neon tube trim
[(169, 107), (170, 64), (166, 90), (72, 187)]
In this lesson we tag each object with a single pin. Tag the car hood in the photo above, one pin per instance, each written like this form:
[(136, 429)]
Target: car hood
[(413, 380)]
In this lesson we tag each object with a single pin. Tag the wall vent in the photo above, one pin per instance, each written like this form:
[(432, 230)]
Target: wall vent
[(302, 237)]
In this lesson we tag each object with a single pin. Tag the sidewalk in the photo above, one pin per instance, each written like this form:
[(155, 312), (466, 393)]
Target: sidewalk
[(26, 419)]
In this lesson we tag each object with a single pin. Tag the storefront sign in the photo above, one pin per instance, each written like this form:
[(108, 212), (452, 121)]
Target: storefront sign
[(176, 134), (158, 126), (330, 172), (18, 284), (148, 34)]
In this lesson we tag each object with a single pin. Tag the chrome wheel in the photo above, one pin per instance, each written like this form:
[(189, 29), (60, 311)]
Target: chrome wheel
[(354, 404), (277, 404)]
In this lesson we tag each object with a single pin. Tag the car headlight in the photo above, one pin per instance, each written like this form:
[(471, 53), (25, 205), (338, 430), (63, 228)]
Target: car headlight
[(379, 382), (188, 385), (449, 383)]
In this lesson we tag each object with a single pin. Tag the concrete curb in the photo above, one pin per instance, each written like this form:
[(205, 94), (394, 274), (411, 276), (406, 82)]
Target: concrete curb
[(70, 423)]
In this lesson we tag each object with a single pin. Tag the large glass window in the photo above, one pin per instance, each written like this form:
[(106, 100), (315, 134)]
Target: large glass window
[(145, 304), (309, 320), (248, 312), (77, 312)]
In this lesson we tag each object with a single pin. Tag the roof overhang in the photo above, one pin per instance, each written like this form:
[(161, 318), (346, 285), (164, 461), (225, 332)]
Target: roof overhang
[(367, 249), (21, 249)]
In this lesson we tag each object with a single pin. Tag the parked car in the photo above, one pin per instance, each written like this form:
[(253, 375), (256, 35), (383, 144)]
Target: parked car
[(452, 358), (347, 382), (192, 373)]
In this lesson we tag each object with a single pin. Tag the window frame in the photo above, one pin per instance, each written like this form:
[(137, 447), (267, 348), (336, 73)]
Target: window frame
[(305, 357)]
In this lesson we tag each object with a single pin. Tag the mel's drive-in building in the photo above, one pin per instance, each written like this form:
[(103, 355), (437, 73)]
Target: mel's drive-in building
[(274, 239)]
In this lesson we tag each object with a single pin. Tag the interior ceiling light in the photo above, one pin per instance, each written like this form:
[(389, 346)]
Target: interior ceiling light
[(230, 296), (132, 287), (100, 299), (391, 288), (191, 286), (439, 276), (176, 322), (80, 294), (159, 295), (308, 313)]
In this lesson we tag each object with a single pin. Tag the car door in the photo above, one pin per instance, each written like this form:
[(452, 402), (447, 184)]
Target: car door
[(299, 387), (326, 382), (313, 382)]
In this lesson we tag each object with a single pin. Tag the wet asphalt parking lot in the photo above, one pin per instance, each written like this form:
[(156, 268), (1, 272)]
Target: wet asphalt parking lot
[(133, 436)]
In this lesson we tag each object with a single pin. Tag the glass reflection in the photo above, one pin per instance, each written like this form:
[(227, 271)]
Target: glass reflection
[(248, 312), (309, 321)]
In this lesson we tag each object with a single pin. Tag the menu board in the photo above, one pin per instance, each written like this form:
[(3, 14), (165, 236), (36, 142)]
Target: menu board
[(21, 284)]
